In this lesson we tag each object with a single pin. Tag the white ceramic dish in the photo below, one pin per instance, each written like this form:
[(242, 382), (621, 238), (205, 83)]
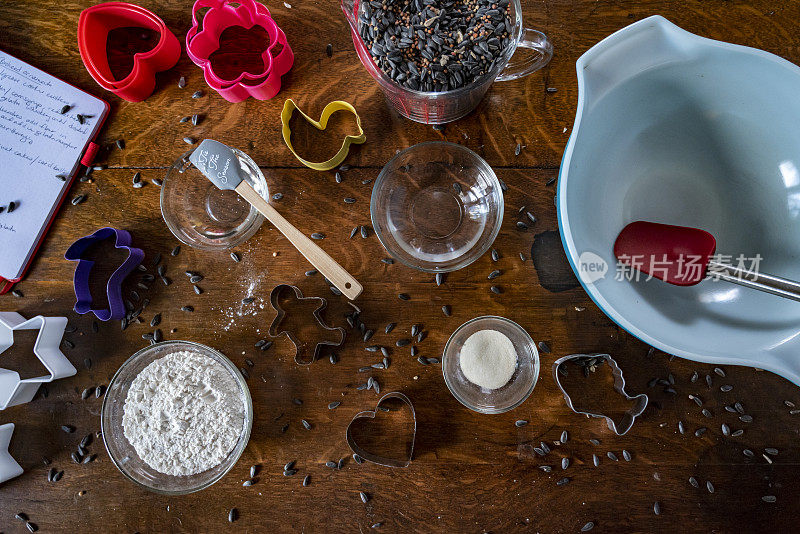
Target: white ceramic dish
[(675, 128)]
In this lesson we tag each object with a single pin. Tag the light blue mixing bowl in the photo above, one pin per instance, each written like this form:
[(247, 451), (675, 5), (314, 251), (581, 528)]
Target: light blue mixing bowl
[(678, 129)]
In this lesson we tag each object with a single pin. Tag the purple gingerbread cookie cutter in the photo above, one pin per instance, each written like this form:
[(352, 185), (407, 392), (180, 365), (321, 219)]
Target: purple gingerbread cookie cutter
[(116, 306)]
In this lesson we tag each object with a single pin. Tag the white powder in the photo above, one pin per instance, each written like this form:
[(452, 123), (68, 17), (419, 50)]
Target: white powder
[(488, 359), (183, 413)]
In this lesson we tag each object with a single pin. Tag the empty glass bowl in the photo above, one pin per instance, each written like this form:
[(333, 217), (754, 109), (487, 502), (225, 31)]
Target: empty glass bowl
[(437, 206), (518, 388), (202, 216), (122, 452)]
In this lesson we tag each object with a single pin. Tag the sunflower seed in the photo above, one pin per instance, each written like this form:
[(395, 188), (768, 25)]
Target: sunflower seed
[(364, 497), (496, 290), (181, 82), (446, 310), (564, 463), (175, 252), (306, 424), (520, 423), (439, 278), (748, 453), (700, 431), (595, 460), (233, 515), (746, 418), (403, 342), (317, 235), (709, 486), (563, 482), (737, 433), (726, 388), (657, 508), (75, 201), (771, 451), (389, 327), (329, 50), (120, 143), (187, 308), (290, 473), (69, 429), (404, 296), (349, 200), (330, 464), (197, 289), (719, 371), (726, 430), (769, 498), (544, 347), (612, 456), (495, 255), (249, 482), (587, 527), (306, 480), (197, 94), (387, 261)]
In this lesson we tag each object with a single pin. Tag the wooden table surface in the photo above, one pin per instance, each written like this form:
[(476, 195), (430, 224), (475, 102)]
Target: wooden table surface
[(471, 472)]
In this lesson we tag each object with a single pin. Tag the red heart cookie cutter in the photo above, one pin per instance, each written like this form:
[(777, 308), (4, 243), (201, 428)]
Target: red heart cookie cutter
[(203, 41), (94, 25)]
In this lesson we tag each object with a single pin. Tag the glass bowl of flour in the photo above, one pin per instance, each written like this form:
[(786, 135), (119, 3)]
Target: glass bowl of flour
[(176, 417), (490, 364)]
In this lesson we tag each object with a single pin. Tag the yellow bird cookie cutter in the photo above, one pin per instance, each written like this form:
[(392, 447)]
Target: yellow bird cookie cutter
[(289, 108)]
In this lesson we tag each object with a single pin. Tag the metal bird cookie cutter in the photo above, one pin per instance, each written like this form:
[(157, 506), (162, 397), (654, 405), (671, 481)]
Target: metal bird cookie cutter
[(13, 389), (276, 330), (639, 401)]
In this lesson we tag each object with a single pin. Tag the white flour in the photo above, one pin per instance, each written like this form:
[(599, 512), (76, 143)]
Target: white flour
[(488, 359), (183, 413)]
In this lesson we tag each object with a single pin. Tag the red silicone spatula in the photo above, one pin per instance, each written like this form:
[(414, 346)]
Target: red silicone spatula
[(683, 256)]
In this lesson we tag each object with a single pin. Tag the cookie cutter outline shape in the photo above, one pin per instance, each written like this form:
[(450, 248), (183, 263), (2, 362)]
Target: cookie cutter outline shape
[(289, 108), (370, 414), (116, 306), (274, 299), (202, 42), (15, 391), (640, 400), (9, 468), (94, 25)]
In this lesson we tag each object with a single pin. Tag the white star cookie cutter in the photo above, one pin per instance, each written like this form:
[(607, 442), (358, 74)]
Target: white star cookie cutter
[(9, 468), (13, 390)]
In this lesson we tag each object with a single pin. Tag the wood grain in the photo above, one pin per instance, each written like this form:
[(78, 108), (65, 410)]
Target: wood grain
[(471, 472)]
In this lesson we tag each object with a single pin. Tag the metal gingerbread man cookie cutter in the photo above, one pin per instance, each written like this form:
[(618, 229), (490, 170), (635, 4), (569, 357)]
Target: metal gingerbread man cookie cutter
[(275, 329), (639, 401)]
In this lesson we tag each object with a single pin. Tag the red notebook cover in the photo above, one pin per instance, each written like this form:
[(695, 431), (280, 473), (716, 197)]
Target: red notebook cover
[(37, 144)]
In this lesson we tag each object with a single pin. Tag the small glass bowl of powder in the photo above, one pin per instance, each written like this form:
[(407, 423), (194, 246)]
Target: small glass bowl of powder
[(490, 364), (176, 417)]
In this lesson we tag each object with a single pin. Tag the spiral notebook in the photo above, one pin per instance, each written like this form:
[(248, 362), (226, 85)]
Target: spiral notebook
[(39, 140)]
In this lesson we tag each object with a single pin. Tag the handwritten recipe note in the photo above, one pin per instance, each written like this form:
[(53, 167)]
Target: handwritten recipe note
[(37, 143)]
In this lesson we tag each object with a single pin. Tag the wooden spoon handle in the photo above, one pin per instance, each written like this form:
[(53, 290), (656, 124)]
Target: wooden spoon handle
[(320, 259)]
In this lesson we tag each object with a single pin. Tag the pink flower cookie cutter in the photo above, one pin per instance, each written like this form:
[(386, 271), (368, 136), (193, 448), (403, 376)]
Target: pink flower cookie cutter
[(203, 40)]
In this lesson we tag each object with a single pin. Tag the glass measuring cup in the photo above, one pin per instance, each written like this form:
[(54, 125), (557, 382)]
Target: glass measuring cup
[(448, 106)]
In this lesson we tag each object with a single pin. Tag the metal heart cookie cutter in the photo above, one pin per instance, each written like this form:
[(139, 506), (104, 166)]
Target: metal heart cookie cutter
[(94, 25), (13, 390), (639, 402), (276, 330), (9, 468), (377, 458), (289, 108), (116, 306), (202, 42)]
